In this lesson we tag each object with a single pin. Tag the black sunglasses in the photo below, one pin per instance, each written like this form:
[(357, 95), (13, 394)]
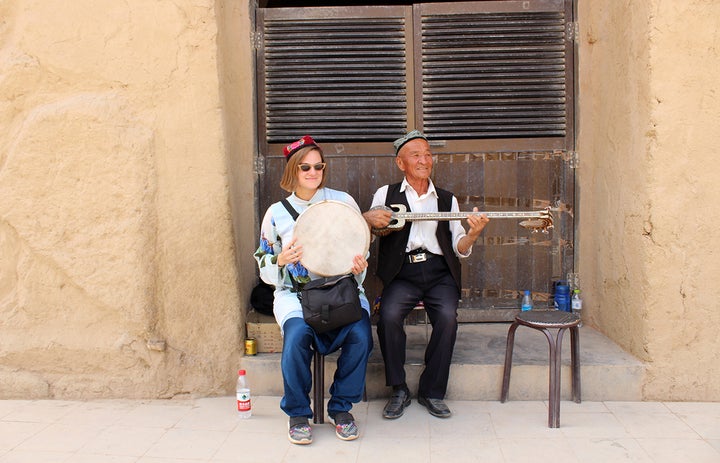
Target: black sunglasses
[(306, 167)]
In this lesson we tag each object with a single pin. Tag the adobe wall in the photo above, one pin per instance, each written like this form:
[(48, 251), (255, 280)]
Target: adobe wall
[(648, 144), (117, 270), (127, 193)]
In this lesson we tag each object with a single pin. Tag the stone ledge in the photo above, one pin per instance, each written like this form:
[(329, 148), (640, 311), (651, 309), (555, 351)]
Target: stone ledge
[(607, 372)]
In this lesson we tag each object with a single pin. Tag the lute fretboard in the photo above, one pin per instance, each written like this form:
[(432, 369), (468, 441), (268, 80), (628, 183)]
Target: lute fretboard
[(537, 220)]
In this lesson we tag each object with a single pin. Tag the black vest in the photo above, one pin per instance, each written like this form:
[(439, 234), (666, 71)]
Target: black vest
[(392, 246)]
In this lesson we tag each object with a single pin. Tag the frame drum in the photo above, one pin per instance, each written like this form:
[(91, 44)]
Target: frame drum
[(331, 234)]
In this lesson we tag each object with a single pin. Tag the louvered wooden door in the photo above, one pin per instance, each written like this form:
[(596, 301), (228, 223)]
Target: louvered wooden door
[(490, 83)]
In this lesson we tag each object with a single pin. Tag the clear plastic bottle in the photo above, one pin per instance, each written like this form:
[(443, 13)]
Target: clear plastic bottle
[(242, 393), (576, 303), (527, 303)]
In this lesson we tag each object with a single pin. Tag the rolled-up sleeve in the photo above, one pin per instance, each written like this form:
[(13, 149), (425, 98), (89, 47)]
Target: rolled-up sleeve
[(457, 231)]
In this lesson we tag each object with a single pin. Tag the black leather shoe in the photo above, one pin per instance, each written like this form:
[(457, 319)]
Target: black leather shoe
[(395, 407), (436, 407)]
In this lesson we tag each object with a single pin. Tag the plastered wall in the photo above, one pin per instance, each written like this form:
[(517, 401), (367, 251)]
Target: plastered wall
[(648, 144), (117, 260), (127, 201)]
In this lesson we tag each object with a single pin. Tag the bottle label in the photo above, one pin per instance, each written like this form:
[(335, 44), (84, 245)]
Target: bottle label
[(244, 405), (243, 401)]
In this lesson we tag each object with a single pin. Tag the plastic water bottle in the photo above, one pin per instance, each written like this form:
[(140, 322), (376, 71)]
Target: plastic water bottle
[(527, 303), (577, 305), (562, 297), (242, 393)]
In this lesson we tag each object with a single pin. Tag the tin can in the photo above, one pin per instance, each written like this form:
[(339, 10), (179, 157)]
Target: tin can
[(250, 346)]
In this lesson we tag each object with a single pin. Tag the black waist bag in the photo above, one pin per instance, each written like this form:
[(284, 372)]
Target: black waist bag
[(331, 302)]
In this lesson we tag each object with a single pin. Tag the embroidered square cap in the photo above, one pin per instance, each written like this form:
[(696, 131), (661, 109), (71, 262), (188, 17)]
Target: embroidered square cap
[(290, 149), (412, 135)]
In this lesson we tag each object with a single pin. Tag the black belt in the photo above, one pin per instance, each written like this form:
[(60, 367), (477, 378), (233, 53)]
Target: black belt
[(419, 255)]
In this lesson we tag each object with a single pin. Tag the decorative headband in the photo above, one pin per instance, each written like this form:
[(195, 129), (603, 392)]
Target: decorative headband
[(293, 147)]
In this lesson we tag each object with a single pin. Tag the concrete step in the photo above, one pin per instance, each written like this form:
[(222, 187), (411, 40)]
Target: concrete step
[(607, 372)]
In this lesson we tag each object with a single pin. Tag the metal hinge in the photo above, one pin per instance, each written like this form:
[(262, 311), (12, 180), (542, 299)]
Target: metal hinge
[(572, 158), (572, 31), (259, 166), (573, 280), (256, 38)]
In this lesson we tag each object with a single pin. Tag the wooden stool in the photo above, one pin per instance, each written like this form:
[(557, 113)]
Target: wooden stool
[(544, 320)]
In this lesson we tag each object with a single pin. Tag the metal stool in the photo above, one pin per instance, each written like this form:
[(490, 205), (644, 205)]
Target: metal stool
[(544, 320), (318, 401), (318, 388), (421, 307)]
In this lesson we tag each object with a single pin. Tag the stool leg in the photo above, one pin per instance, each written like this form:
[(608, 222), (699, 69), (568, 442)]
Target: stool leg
[(318, 388), (575, 363), (553, 379), (558, 369), (427, 332), (508, 362)]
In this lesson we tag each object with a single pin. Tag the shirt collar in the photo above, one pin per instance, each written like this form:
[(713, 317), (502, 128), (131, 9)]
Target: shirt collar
[(317, 197), (431, 187)]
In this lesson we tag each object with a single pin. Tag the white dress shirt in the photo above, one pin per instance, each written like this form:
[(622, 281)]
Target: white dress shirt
[(422, 232)]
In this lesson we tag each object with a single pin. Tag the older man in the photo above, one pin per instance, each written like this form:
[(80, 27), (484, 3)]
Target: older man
[(420, 262)]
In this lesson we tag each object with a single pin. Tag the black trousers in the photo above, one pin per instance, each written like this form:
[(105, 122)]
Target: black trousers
[(432, 283)]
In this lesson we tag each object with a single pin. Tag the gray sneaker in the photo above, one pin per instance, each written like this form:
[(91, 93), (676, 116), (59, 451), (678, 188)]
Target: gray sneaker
[(345, 427), (299, 430)]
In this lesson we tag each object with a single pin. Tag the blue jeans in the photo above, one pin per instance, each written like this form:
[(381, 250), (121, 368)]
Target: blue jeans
[(355, 344)]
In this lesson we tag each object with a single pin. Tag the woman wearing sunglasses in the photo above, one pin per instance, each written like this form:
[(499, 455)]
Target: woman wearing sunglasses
[(278, 259)]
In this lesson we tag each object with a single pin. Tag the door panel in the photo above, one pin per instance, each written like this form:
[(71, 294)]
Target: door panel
[(507, 259), (490, 82)]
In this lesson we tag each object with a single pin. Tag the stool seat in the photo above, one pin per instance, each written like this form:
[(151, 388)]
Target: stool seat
[(544, 321), (547, 319)]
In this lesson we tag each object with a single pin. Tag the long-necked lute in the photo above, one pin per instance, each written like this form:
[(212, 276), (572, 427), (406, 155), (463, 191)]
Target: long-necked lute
[(541, 220)]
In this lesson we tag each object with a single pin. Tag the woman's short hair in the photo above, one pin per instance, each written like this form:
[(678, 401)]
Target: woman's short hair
[(289, 180)]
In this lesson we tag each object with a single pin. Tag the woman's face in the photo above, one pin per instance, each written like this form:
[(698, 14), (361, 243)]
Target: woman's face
[(309, 181)]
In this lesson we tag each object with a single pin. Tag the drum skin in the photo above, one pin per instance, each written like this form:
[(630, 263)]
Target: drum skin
[(331, 233)]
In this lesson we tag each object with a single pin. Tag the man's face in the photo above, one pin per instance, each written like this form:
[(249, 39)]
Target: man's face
[(415, 160)]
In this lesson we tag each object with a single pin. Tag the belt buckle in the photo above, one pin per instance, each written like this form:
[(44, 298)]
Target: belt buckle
[(419, 257)]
